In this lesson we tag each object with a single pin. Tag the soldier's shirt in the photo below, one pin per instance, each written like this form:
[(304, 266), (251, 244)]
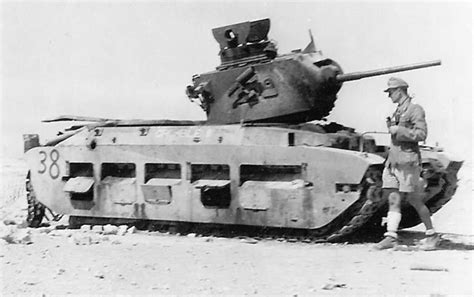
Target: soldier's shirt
[(412, 128)]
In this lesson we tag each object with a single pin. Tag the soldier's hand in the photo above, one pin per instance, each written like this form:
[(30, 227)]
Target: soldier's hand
[(393, 129)]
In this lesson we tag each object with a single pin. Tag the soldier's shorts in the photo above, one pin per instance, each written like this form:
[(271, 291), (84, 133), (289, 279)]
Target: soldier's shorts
[(405, 178)]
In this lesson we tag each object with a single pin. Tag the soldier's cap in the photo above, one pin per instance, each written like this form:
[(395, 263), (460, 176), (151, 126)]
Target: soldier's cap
[(395, 82)]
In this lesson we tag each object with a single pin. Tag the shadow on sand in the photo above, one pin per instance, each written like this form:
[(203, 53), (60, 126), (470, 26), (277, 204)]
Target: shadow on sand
[(448, 241), (409, 240)]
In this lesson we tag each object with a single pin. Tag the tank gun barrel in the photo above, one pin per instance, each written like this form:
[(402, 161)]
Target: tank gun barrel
[(364, 74)]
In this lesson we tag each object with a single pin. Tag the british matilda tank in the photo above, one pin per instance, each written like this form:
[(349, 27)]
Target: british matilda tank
[(259, 161)]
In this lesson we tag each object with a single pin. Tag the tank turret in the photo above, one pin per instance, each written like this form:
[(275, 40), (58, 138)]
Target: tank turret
[(255, 84)]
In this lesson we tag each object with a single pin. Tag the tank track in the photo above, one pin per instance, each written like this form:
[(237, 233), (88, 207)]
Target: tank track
[(36, 210), (449, 184), (352, 219), (443, 182), (358, 214), (359, 220), (441, 187)]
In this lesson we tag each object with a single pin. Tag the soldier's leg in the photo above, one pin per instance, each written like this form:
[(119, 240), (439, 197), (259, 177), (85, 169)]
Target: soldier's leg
[(416, 200), (390, 186), (412, 183), (394, 215), (430, 242)]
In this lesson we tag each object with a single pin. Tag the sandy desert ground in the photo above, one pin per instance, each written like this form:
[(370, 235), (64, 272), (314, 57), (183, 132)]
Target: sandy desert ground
[(55, 261)]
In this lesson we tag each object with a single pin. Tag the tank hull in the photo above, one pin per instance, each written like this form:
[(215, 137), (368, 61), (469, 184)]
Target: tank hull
[(270, 177)]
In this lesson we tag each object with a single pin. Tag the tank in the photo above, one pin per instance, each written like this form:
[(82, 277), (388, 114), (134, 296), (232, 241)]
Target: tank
[(264, 159)]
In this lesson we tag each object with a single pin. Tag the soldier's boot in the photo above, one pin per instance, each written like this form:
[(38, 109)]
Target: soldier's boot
[(387, 243), (429, 243), (393, 220)]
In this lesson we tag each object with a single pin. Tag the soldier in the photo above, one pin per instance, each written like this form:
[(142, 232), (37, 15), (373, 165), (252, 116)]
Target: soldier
[(401, 175)]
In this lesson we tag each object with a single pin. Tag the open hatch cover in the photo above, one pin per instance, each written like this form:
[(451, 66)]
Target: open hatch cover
[(80, 184), (211, 183)]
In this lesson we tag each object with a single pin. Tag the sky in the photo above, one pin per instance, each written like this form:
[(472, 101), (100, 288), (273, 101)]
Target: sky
[(134, 59)]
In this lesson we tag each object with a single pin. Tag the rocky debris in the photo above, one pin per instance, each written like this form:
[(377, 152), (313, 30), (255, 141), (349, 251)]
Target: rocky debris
[(44, 230), (99, 275), (249, 240), (122, 230), (55, 233), (58, 226), (160, 287), (86, 228), (87, 239), (60, 233), (191, 235), (13, 235), (97, 229), (89, 235), (427, 267), (110, 229), (332, 286), (9, 222)]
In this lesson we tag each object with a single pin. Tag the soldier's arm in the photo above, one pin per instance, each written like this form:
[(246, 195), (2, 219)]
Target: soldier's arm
[(418, 131)]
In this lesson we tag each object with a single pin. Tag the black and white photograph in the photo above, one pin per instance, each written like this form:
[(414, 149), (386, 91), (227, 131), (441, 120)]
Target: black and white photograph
[(235, 148)]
